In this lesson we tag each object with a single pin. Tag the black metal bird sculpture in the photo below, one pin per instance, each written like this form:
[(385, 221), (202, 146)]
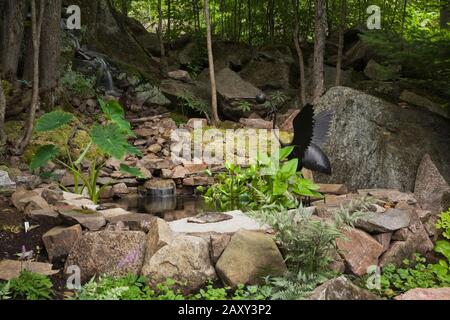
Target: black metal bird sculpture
[(310, 132)]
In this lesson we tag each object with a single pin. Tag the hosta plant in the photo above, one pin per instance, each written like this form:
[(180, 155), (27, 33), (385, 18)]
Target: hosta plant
[(110, 138)]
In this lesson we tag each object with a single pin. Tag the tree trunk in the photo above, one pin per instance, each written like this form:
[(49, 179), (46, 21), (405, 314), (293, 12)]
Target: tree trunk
[(50, 53), (36, 26), (319, 51), (341, 42), (169, 19), (2, 116), (163, 62), (445, 14), (299, 50), (13, 26), (212, 76)]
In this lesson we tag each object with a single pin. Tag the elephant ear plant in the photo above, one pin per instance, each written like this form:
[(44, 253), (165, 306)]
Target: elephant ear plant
[(110, 138)]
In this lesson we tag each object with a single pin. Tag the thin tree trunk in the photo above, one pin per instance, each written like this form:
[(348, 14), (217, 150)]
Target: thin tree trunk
[(163, 62), (319, 51), (212, 76), (299, 50), (36, 25), (13, 27), (169, 19), (341, 42), (50, 53), (2, 116)]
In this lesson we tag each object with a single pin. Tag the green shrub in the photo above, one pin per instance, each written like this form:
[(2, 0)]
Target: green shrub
[(133, 287), (443, 223), (5, 290), (31, 286), (261, 185), (308, 243), (77, 84)]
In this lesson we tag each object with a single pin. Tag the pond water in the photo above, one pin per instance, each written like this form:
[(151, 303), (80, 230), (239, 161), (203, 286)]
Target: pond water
[(167, 208)]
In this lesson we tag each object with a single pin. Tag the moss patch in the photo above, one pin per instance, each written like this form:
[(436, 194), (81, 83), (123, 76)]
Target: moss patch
[(58, 137)]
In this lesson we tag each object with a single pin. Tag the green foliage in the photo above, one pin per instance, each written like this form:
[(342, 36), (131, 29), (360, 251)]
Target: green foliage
[(5, 290), (132, 287), (31, 286), (443, 224), (43, 156), (244, 106), (52, 121), (77, 84), (419, 274), (110, 138), (190, 102), (296, 286), (309, 243), (129, 287), (415, 274), (263, 184)]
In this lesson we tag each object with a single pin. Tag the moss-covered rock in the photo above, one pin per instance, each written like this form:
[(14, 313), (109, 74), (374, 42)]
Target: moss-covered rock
[(58, 137)]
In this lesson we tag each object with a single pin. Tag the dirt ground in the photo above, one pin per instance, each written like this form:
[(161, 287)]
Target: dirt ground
[(13, 238)]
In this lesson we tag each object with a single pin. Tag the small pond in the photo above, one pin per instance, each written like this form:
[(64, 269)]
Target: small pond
[(168, 208)]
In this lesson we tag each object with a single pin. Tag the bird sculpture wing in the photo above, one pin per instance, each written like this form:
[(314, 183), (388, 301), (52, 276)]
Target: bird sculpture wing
[(311, 131)]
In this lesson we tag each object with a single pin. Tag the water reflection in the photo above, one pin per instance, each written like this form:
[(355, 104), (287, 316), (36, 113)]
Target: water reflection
[(167, 208)]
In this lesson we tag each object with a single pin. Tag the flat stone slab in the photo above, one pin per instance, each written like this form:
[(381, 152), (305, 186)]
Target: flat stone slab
[(88, 219), (388, 221), (239, 221), (210, 217), (10, 269)]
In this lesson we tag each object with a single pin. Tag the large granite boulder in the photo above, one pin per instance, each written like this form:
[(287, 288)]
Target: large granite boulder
[(248, 258), (374, 143), (185, 259), (108, 252)]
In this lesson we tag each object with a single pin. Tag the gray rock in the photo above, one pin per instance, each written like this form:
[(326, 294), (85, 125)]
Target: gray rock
[(420, 101), (110, 253), (375, 71), (90, 220), (417, 241), (59, 241), (431, 189), (45, 216), (248, 258), (341, 289), (10, 269), (7, 186), (186, 260), (267, 74), (389, 221), (374, 143), (239, 221), (27, 201), (134, 221)]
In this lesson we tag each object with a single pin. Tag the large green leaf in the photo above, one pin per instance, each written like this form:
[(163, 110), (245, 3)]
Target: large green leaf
[(111, 140), (111, 108), (285, 152), (280, 186), (289, 168), (53, 120), (43, 156), (130, 170)]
